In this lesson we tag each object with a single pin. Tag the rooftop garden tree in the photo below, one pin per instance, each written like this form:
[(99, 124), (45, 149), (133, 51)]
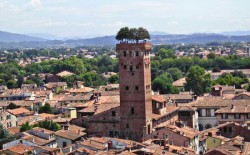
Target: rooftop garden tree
[(126, 34)]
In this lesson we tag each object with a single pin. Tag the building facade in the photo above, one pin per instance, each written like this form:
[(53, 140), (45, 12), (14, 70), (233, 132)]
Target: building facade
[(135, 89)]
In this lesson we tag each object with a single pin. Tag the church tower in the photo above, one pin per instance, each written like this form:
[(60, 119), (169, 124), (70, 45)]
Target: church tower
[(135, 90)]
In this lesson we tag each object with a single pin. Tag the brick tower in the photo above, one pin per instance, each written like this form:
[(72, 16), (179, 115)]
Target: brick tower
[(135, 90)]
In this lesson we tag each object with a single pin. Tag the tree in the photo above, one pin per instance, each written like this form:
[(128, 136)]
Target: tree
[(46, 109), (141, 34), (29, 82), (229, 79), (123, 34), (5, 136), (163, 83), (159, 84), (12, 106), (198, 81), (248, 87), (46, 124), (211, 55), (238, 74), (11, 84), (216, 69), (165, 53), (175, 73), (114, 79), (49, 124), (132, 34), (26, 126)]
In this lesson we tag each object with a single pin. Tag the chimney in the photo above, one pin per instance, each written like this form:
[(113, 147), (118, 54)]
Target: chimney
[(95, 108), (66, 127)]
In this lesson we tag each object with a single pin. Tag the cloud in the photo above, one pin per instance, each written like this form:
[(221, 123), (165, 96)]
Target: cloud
[(35, 3)]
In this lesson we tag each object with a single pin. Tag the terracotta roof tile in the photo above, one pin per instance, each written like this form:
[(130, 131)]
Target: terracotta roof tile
[(43, 130), (235, 109), (47, 116), (64, 73), (14, 130), (80, 90), (69, 134), (180, 83), (50, 85), (20, 149), (37, 140), (19, 111)]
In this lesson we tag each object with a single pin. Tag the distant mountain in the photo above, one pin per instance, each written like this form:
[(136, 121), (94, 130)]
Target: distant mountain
[(159, 33), (14, 37), (237, 33), (110, 40), (45, 36)]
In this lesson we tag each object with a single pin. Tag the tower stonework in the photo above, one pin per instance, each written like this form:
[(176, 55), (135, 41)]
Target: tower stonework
[(135, 90)]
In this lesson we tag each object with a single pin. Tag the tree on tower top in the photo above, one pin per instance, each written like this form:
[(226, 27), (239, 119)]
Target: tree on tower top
[(126, 34)]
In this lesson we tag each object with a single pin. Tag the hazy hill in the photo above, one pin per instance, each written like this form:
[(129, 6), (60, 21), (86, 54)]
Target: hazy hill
[(34, 42), (14, 37)]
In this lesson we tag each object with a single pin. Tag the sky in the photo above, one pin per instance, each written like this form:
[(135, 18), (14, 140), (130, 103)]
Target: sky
[(105, 17)]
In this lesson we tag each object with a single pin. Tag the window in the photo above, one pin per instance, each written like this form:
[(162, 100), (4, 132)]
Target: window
[(127, 125), (131, 68), (248, 115), (184, 114), (208, 112), (137, 53), (137, 66), (132, 110), (236, 116), (208, 126), (224, 116), (230, 129), (113, 113), (147, 86), (136, 87), (127, 87), (64, 144), (225, 129), (124, 54), (199, 113), (125, 66)]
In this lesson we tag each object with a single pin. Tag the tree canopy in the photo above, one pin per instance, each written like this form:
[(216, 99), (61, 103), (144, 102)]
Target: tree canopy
[(198, 81), (163, 83), (12, 106), (5, 136), (46, 109), (132, 34), (46, 124)]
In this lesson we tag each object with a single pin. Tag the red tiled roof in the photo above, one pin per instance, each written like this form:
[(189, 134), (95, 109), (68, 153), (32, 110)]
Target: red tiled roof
[(19, 111), (69, 134), (20, 149)]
